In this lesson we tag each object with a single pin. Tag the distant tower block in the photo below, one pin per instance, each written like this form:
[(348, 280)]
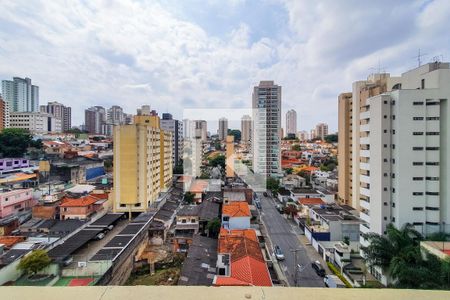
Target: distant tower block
[(230, 156)]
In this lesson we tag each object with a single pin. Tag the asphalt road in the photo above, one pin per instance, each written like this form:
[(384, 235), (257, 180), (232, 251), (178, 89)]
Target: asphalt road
[(282, 234)]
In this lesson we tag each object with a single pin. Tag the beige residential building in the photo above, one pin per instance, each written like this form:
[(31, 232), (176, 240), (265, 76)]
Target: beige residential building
[(142, 163), (230, 156), (321, 130), (246, 129), (344, 147)]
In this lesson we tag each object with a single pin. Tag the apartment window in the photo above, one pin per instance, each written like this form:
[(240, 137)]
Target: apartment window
[(432, 178), (385, 174), (432, 163), (393, 131), (422, 84), (417, 178), (432, 193), (393, 175), (393, 117), (431, 208), (432, 133), (385, 131), (385, 116), (417, 133), (417, 163), (417, 148), (393, 190), (417, 208), (385, 101), (417, 193), (432, 223), (417, 223), (183, 221), (393, 146), (432, 148), (192, 220), (418, 103), (385, 160), (432, 103), (385, 145), (393, 219), (393, 204), (385, 203), (393, 102), (432, 118), (393, 160), (385, 189)]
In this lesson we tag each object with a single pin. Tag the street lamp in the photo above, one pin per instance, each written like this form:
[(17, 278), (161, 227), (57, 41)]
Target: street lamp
[(297, 267)]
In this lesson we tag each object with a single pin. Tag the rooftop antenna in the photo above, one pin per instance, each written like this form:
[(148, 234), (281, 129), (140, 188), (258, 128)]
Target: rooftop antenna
[(419, 57)]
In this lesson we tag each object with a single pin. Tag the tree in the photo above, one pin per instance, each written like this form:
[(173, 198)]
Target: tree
[(15, 141), (236, 133), (296, 147), (304, 174), (288, 171), (290, 210), (219, 160), (178, 169), (346, 240), (213, 227), (273, 184), (189, 197), (331, 138), (34, 262)]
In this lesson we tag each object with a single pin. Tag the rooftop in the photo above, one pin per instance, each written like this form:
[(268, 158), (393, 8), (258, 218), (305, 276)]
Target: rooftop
[(79, 202), (311, 201), (236, 209)]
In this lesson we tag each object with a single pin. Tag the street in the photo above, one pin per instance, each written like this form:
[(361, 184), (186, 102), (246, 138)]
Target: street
[(282, 234)]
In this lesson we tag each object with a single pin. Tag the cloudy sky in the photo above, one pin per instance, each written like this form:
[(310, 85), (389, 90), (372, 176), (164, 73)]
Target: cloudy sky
[(209, 54)]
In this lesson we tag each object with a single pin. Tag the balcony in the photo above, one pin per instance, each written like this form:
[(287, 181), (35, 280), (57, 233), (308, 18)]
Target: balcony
[(364, 115), (364, 191), (365, 127), (364, 204), (364, 153), (364, 217), (364, 140), (364, 166), (364, 178)]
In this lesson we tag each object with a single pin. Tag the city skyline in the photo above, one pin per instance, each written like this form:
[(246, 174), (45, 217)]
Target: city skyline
[(213, 58)]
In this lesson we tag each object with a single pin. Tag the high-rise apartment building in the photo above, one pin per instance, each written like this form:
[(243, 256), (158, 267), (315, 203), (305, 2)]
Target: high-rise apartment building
[(169, 124), (266, 104), (344, 147), (21, 95), (60, 111), (321, 130), (313, 134), (142, 163), (246, 129), (291, 123), (4, 114), (115, 115), (403, 149), (94, 118), (223, 129)]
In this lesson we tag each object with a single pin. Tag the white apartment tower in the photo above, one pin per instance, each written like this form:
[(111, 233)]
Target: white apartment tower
[(267, 128), (21, 95), (291, 123), (223, 128)]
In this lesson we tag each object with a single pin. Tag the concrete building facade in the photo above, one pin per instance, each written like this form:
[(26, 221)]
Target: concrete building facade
[(246, 129), (169, 124), (94, 118), (223, 128), (35, 122), (291, 123), (142, 164), (266, 142), (321, 131), (60, 111), (21, 95)]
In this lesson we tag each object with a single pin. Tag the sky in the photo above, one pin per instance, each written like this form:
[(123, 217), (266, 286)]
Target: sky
[(175, 55)]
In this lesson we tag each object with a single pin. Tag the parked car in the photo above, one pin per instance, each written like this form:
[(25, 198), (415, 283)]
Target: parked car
[(100, 236), (332, 281), (67, 261), (258, 204), (279, 207), (278, 253), (265, 194), (318, 268)]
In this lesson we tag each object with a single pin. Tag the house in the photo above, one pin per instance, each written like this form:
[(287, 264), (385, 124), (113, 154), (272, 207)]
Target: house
[(292, 181), (284, 195), (13, 201), (236, 215), (240, 261), (78, 208), (11, 164), (187, 224)]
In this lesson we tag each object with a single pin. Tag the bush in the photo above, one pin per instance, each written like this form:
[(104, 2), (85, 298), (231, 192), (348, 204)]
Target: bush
[(338, 274)]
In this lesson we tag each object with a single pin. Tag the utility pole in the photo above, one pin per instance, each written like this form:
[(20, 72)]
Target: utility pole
[(296, 266)]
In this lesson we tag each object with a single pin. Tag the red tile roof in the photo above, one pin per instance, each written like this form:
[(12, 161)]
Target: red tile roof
[(236, 209), (10, 241), (199, 186), (311, 201), (79, 202), (248, 266)]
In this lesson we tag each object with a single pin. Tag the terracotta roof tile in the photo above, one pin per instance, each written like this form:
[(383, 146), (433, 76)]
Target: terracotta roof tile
[(236, 209), (311, 201), (78, 202)]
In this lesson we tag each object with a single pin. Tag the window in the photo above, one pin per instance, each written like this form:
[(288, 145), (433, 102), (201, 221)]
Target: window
[(432, 193), (417, 178), (418, 103), (393, 117), (417, 223), (417, 133), (385, 145), (432, 148), (432, 163), (183, 220), (431, 208), (385, 101), (385, 131), (393, 219), (432, 178), (192, 220), (417, 208), (385, 116), (432, 118), (385, 189), (422, 84), (385, 174), (385, 203), (432, 103), (417, 148), (417, 118), (417, 163), (393, 204), (226, 218), (432, 133), (417, 193), (393, 175), (385, 160)]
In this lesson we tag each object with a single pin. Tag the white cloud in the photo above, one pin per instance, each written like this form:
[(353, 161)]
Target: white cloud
[(131, 53)]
